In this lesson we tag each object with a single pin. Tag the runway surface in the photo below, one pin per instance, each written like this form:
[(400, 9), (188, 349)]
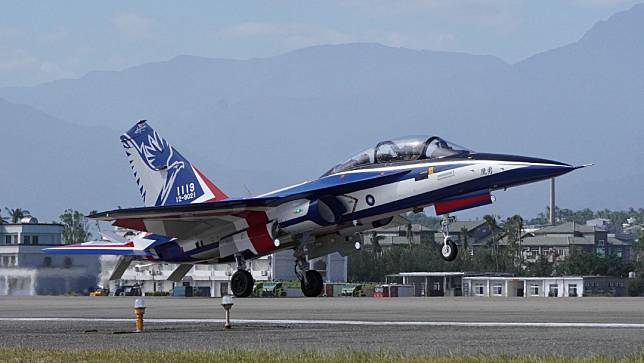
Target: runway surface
[(576, 326)]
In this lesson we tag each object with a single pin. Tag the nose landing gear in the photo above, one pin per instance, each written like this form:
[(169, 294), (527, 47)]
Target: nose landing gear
[(449, 251)]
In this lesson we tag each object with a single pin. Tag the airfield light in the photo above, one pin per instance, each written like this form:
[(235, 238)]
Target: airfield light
[(139, 310), (227, 303)]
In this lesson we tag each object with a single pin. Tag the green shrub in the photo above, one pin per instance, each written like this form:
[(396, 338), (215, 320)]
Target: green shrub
[(636, 287)]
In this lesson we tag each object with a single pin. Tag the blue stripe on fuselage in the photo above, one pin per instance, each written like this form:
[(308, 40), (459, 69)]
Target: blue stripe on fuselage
[(501, 180), (342, 183), (355, 180)]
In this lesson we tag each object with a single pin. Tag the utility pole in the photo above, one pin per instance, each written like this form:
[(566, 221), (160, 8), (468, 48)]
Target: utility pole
[(552, 201)]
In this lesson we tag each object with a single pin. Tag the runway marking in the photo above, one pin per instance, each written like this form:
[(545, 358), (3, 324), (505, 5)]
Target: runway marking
[(347, 322)]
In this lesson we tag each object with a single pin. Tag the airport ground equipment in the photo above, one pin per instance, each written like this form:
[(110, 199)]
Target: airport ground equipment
[(269, 289), (187, 220)]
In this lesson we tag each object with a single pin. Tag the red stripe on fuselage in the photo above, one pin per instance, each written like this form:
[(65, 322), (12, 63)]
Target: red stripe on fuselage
[(449, 205), (258, 233), (136, 224)]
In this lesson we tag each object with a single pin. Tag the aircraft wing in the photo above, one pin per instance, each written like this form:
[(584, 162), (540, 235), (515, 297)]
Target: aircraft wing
[(225, 216)]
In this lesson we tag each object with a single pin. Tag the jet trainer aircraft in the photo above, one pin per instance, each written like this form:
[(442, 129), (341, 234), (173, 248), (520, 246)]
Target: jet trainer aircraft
[(187, 220)]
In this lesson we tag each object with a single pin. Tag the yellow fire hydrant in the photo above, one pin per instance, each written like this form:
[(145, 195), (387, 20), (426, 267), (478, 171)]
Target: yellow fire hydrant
[(139, 310)]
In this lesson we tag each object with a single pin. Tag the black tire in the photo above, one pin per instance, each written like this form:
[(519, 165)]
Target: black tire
[(242, 283), (449, 251), (314, 284)]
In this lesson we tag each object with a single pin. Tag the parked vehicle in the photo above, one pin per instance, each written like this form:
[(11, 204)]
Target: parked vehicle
[(128, 290), (100, 292)]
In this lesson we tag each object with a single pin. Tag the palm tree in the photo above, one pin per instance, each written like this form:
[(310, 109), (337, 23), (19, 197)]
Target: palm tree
[(491, 221), (3, 219), (17, 214), (513, 227)]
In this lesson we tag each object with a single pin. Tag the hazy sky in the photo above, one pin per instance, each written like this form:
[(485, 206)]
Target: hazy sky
[(46, 40)]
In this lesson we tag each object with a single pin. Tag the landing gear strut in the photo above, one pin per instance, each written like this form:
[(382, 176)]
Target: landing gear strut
[(242, 282), (311, 281), (449, 249)]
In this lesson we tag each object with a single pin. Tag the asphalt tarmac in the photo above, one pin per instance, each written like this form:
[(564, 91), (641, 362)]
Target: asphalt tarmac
[(464, 325)]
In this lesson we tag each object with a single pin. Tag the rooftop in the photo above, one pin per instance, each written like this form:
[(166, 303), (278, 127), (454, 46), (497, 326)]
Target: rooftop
[(563, 240), (427, 274), (568, 228)]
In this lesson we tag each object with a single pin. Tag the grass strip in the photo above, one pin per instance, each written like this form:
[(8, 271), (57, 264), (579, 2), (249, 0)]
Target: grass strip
[(249, 356)]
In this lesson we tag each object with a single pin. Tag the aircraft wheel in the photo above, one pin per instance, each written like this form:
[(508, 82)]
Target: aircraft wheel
[(242, 283), (315, 284), (449, 250)]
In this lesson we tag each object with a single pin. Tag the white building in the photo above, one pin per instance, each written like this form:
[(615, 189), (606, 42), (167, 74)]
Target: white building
[(567, 286), (214, 279), (26, 270)]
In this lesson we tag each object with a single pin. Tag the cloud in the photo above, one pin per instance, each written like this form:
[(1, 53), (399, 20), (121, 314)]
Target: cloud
[(289, 35), (134, 27), (497, 15), (20, 67), (293, 36), (593, 4)]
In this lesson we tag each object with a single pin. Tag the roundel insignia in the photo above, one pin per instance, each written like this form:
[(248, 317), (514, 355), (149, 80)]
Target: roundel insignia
[(370, 199)]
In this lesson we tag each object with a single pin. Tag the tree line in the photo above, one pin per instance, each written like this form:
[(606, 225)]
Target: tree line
[(373, 264)]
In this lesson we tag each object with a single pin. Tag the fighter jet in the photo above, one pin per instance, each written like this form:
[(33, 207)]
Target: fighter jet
[(187, 220)]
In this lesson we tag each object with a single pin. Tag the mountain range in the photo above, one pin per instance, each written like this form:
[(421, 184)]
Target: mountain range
[(259, 124)]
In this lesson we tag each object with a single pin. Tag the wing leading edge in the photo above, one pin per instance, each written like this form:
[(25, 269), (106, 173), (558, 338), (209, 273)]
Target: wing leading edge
[(335, 184)]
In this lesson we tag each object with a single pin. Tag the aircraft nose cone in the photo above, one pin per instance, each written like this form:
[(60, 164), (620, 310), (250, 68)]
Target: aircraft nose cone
[(547, 171), (534, 172)]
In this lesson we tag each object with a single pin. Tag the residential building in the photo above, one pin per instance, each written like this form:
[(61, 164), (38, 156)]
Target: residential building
[(26, 270), (602, 223), (559, 241), (474, 233), (401, 231), (605, 286)]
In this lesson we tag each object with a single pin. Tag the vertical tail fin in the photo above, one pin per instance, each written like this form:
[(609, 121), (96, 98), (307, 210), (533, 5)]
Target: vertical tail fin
[(163, 175)]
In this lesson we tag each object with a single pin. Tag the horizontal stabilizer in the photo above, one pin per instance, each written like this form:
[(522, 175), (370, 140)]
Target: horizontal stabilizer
[(122, 265), (179, 273), (99, 248)]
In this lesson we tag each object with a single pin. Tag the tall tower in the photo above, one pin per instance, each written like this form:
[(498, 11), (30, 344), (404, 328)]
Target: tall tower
[(552, 202)]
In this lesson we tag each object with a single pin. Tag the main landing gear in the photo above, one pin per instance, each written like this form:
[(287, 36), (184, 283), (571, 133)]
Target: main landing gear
[(242, 282), (311, 281), (448, 250)]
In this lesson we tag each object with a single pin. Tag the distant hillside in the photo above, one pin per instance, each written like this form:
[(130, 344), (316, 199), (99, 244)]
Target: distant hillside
[(49, 165), (295, 115)]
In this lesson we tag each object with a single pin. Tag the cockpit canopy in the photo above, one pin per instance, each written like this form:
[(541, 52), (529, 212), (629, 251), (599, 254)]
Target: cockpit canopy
[(402, 150)]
